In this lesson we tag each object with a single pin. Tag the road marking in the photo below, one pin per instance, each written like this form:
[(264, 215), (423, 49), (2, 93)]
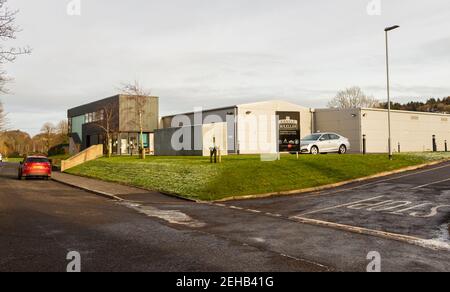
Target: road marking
[(340, 206), (320, 193), (430, 184), (426, 243)]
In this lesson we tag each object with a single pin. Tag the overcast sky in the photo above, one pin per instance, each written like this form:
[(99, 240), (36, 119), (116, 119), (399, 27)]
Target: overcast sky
[(221, 52)]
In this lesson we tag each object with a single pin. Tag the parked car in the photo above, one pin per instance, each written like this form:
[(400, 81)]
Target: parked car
[(1, 158), (35, 166), (324, 143)]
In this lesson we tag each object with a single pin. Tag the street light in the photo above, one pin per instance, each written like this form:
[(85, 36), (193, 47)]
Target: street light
[(386, 30)]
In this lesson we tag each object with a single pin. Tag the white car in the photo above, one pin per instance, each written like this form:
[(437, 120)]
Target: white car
[(1, 158), (324, 143)]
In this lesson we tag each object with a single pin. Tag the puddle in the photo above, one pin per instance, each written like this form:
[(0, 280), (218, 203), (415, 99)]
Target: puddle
[(171, 216)]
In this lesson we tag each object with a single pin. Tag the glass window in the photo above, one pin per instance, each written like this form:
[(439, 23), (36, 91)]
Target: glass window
[(313, 137), (334, 137), (325, 137), (37, 160)]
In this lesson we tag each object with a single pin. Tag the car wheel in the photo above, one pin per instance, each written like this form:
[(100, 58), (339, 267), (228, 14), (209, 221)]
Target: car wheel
[(314, 150), (342, 149)]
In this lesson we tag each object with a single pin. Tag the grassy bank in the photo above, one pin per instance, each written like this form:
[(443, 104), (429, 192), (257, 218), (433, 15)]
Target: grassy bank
[(196, 178)]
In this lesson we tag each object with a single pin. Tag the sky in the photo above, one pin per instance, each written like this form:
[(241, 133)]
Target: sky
[(210, 53)]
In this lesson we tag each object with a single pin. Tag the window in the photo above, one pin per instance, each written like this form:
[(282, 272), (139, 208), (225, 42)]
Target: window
[(334, 137), (325, 137), (313, 137), (37, 160)]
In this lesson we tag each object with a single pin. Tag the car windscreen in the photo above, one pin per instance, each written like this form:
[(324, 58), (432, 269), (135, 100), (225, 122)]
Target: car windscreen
[(37, 160), (313, 137)]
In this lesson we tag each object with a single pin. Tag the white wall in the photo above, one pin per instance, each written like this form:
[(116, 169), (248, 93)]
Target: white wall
[(258, 127), (217, 131), (413, 130)]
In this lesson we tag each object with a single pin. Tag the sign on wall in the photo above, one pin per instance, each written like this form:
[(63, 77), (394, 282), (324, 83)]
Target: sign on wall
[(289, 131)]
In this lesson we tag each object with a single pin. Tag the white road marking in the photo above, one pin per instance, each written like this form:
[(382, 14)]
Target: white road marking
[(340, 206), (320, 193), (426, 243), (430, 184), (171, 216)]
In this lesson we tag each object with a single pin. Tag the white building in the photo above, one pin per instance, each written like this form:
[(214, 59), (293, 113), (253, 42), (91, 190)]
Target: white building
[(277, 126)]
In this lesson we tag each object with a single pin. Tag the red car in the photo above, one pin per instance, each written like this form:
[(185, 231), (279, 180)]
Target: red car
[(35, 166)]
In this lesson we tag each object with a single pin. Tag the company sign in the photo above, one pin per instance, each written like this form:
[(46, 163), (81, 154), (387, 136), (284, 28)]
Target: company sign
[(289, 131)]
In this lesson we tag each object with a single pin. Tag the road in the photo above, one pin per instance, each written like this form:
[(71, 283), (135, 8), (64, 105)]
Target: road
[(40, 222)]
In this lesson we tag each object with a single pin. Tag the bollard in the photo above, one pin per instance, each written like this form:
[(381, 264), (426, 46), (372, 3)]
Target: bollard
[(399, 149), (434, 144), (364, 145), (446, 149)]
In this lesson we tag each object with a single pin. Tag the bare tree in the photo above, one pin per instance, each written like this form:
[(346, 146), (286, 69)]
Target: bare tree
[(352, 97), (8, 31), (106, 122), (48, 132), (137, 91)]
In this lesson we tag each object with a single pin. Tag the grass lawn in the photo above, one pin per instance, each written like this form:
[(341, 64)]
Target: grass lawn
[(196, 178)]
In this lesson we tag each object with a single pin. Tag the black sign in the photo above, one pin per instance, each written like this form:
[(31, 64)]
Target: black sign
[(289, 131)]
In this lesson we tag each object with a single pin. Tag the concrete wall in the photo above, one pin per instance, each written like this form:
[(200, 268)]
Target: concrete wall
[(89, 154), (413, 130), (345, 122)]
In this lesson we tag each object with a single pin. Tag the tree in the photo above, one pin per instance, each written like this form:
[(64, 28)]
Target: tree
[(108, 114), (8, 31), (352, 97), (137, 91), (62, 130), (48, 132)]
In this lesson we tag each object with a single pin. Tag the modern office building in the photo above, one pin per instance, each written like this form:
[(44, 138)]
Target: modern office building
[(120, 115), (253, 128)]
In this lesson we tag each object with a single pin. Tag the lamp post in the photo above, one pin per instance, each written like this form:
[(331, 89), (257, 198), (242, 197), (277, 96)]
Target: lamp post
[(386, 30)]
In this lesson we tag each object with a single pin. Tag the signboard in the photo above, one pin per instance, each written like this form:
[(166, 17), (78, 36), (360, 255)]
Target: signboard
[(289, 131)]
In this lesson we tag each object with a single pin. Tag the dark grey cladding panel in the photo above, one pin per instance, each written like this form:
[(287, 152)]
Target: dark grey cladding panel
[(163, 142), (222, 113), (93, 106)]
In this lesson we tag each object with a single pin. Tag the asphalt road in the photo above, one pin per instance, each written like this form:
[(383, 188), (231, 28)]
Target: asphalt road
[(40, 222)]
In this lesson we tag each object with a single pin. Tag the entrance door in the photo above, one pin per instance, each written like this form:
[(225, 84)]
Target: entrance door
[(88, 141)]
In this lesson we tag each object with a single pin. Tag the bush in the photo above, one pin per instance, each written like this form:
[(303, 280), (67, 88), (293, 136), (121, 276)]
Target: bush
[(61, 149)]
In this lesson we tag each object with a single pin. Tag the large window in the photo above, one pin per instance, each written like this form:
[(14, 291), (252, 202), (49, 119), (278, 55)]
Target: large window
[(94, 117)]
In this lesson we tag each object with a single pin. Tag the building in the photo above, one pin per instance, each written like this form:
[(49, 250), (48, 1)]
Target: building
[(411, 131), (251, 128), (121, 116), (277, 126)]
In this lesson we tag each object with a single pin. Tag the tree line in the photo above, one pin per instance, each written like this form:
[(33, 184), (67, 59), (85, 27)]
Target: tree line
[(52, 140), (354, 97)]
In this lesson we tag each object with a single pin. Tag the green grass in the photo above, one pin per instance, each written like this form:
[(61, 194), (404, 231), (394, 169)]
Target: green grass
[(196, 178)]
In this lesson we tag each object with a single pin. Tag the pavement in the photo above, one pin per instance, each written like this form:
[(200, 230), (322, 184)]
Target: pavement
[(41, 221)]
